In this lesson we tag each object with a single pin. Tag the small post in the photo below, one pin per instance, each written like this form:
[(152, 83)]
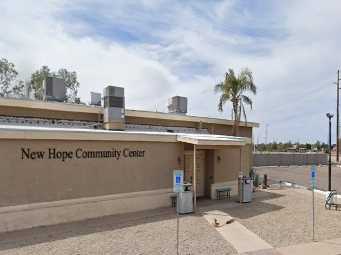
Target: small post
[(337, 114), (313, 186), (177, 232), (265, 181), (194, 178), (313, 214)]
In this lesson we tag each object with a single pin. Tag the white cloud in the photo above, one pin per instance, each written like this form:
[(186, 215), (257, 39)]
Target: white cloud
[(185, 48)]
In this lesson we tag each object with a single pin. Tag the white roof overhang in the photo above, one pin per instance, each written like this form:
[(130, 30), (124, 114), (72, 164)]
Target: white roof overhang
[(52, 133), (212, 140)]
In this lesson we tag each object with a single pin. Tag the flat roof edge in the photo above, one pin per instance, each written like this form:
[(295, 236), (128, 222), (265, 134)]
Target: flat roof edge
[(67, 107), (8, 133), (180, 117)]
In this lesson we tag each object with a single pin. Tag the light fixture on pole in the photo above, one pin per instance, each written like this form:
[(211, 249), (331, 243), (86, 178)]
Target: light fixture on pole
[(330, 116), (337, 115)]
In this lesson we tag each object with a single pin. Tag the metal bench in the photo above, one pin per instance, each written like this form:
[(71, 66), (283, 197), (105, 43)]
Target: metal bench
[(223, 193), (329, 204)]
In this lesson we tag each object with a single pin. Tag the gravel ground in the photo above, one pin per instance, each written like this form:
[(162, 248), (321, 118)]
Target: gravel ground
[(301, 175), (284, 217), (152, 232), (281, 217)]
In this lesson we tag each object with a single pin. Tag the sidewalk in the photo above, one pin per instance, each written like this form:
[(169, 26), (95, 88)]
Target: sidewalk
[(255, 231), (242, 239), (327, 247)]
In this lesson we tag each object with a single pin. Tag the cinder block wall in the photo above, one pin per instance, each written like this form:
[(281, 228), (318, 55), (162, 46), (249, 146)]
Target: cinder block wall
[(287, 159)]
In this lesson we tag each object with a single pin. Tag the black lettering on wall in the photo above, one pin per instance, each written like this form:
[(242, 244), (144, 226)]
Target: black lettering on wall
[(28, 154), (25, 153), (79, 153)]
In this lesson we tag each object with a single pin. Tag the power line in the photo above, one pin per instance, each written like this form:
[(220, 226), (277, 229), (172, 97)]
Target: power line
[(337, 114)]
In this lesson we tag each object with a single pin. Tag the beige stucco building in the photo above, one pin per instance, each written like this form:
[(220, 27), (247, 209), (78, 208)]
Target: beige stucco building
[(58, 164)]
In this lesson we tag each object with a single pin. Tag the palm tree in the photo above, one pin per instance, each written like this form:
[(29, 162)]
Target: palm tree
[(234, 89)]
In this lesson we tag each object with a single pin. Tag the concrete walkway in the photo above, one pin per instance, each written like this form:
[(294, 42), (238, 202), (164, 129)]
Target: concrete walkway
[(248, 243), (327, 247), (242, 239)]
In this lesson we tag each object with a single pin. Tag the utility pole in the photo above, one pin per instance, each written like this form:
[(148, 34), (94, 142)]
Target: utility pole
[(337, 114)]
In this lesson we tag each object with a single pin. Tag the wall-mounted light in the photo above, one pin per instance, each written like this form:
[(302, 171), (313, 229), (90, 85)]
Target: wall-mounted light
[(179, 160), (218, 158)]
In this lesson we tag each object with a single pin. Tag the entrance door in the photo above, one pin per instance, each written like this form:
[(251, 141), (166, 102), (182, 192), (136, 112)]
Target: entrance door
[(200, 170)]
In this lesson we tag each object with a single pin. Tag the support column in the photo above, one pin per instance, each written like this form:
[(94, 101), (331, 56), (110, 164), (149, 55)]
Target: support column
[(194, 178), (240, 161)]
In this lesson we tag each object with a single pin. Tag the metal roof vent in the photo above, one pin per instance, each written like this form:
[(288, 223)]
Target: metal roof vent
[(95, 98), (54, 89), (177, 104), (28, 90), (114, 108)]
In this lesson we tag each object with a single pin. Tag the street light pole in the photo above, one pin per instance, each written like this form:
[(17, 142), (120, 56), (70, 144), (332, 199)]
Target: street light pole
[(337, 115), (330, 116)]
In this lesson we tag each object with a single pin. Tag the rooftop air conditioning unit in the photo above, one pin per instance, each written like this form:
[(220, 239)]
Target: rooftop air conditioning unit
[(177, 104), (114, 108), (27, 90), (54, 89), (95, 99)]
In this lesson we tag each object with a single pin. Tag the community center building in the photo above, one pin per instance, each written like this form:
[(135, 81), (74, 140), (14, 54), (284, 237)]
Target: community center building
[(64, 162)]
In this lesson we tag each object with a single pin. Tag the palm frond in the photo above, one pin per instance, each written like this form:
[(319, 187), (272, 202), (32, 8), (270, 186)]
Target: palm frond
[(234, 88), (244, 112), (222, 100), (245, 99), (219, 87), (246, 80), (230, 74)]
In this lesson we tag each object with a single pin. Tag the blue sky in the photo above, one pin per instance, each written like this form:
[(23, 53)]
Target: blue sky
[(157, 49)]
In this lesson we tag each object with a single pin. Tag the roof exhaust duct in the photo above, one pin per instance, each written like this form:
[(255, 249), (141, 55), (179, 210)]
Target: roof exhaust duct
[(28, 90), (95, 99), (54, 89), (178, 105), (114, 108)]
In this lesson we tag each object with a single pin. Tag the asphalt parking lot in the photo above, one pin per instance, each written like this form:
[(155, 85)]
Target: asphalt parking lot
[(301, 175)]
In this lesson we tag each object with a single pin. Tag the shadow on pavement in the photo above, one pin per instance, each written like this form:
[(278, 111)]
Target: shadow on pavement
[(260, 205), (37, 235)]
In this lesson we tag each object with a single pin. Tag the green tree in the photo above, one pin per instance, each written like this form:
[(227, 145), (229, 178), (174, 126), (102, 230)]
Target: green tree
[(70, 80), (234, 89), (71, 84), (9, 86), (274, 146), (317, 145), (37, 79)]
